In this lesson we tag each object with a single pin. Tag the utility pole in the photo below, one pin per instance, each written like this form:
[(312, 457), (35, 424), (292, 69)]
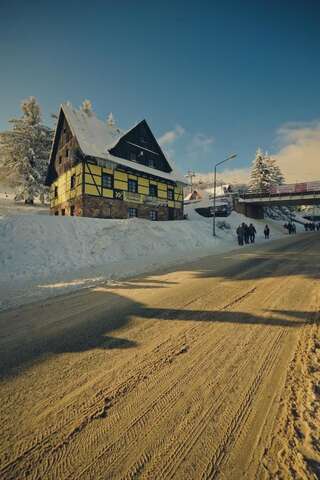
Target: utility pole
[(190, 175)]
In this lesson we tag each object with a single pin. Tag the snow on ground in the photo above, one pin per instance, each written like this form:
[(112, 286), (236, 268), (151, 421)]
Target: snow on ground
[(42, 255), (9, 207)]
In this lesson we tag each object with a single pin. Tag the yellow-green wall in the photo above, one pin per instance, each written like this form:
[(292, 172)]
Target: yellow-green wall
[(63, 183), (93, 185), (93, 174)]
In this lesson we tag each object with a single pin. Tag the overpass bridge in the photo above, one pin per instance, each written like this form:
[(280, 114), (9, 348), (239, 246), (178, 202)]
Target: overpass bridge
[(251, 204)]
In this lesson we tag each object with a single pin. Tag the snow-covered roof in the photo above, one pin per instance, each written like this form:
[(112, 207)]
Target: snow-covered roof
[(193, 195), (97, 138)]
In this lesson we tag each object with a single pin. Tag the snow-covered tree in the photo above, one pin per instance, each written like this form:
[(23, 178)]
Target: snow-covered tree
[(277, 177), (110, 120), (86, 107), (264, 173), (260, 176), (25, 151)]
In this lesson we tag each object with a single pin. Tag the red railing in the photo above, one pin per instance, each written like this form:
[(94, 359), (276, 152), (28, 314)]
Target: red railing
[(296, 188)]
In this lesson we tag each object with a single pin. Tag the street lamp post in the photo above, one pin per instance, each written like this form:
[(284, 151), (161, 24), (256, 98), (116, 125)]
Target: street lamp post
[(231, 157)]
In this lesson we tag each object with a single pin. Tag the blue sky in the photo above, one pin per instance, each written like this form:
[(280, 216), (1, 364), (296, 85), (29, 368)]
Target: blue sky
[(214, 76)]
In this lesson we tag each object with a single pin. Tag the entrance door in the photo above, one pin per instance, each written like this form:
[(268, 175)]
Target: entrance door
[(171, 214)]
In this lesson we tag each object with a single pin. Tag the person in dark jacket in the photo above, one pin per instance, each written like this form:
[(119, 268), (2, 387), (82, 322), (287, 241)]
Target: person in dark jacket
[(245, 232), (240, 234), (252, 233), (266, 232)]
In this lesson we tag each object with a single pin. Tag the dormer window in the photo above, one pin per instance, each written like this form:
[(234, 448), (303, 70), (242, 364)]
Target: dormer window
[(141, 157), (133, 156)]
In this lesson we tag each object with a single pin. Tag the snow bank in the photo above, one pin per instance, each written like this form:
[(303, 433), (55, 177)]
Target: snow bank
[(44, 255)]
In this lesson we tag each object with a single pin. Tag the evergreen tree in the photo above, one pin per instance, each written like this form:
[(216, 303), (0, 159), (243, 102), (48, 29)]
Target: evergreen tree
[(25, 152), (110, 120), (86, 107), (276, 176), (260, 176)]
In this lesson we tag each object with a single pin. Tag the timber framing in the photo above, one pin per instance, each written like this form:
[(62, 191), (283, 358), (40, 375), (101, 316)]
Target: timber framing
[(139, 177)]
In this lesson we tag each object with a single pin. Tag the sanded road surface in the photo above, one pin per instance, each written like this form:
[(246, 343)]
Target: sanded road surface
[(179, 375)]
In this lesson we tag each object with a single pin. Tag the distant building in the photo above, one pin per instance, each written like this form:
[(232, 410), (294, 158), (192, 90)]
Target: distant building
[(97, 170), (192, 196)]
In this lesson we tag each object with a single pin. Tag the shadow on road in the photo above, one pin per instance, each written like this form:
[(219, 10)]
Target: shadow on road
[(82, 323), (33, 339), (300, 257)]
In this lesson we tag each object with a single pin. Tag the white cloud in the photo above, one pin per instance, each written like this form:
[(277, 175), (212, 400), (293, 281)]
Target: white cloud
[(169, 137), (200, 142), (299, 154)]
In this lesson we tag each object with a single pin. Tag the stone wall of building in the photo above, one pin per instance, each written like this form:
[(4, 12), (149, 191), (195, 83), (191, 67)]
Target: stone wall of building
[(70, 207), (100, 207)]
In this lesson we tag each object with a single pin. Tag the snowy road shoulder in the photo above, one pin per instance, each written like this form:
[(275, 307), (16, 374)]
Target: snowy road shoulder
[(43, 256)]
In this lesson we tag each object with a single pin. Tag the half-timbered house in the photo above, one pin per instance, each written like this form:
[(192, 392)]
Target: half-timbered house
[(97, 170)]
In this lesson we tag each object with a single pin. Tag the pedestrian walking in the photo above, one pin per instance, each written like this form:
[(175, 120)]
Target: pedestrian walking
[(240, 234), (245, 232), (252, 233), (266, 232)]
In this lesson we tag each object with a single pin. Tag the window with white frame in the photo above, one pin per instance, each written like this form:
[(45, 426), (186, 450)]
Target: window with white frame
[(132, 212), (107, 180), (153, 215), (153, 190), (132, 186), (170, 194)]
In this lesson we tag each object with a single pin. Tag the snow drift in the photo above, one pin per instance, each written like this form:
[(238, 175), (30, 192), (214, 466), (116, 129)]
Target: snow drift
[(44, 255)]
